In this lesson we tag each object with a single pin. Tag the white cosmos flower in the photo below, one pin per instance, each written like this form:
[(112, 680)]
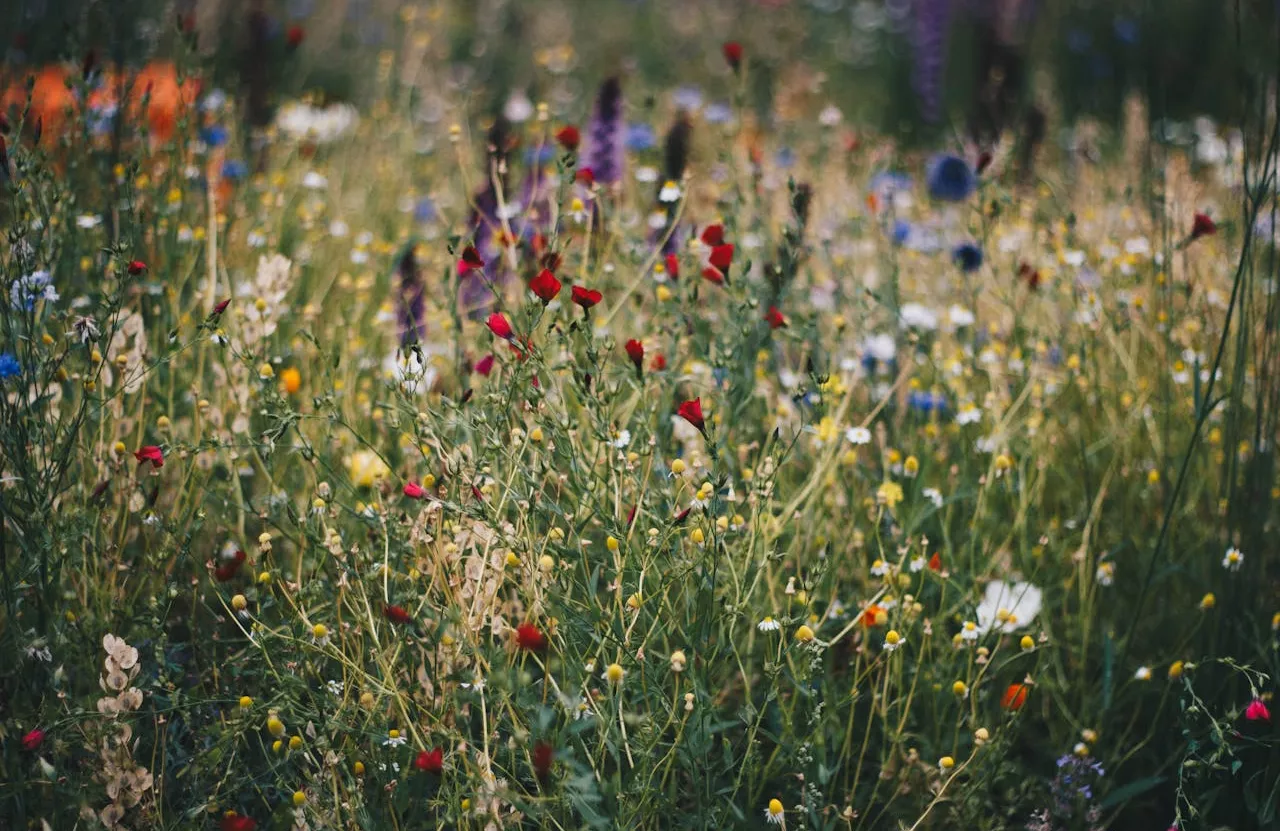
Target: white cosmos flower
[(1019, 603)]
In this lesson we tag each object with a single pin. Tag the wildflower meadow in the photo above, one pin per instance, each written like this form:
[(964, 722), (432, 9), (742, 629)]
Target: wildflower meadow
[(826, 414)]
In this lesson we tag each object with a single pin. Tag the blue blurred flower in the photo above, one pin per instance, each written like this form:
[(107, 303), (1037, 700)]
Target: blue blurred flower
[(927, 402), (234, 169), (640, 137), (540, 155), (900, 232), (1126, 30), (688, 97), (951, 179), (718, 113), (214, 135), (887, 183), (1079, 41), (27, 290), (968, 256), (785, 157), (9, 366), (424, 210)]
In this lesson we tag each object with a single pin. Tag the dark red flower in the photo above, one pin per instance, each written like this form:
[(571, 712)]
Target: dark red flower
[(32, 740), (414, 491), (1202, 226), (586, 298), (529, 637), (585, 176), (429, 761), (984, 161), (221, 307), (691, 411), (732, 54), (635, 351), (225, 571), (568, 137), (136, 267), (552, 260), (713, 234), (294, 36), (673, 266), (485, 365), (500, 326), (545, 285), (151, 453), (396, 614), (231, 821), (775, 318), (658, 363), (1031, 275), (935, 562), (543, 755), (470, 260)]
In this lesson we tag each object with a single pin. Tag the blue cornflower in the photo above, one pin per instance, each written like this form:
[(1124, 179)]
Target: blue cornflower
[(215, 135), (951, 179), (927, 402), (786, 157), (27, 290), (968, 256), (9, 366), (640, 137), (424, 210), (900, 232), (688, 97), (234, 169)]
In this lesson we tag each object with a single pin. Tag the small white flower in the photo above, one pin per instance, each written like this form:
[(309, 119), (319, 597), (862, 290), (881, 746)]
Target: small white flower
[(916, 316), (880, 568), (968, 414), (622, 439), (1143, 674), (670, 192), (646, 175), (1106, 574), (858, 435), (395, 739), (830, 116), (774, 814), (86, 222), (969, 631), (933, 495), (917, 564), (960, 316), (335, 688), (1019, 601), (768, 625), (314, 181), (1233, 559)]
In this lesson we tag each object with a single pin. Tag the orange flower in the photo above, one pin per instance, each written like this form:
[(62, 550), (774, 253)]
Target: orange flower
[(156, 87), (870, 614), (1015, 695), (52, 102), (291, 380)]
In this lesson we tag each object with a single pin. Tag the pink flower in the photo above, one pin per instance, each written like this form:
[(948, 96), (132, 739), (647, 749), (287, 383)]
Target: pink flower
[(1257, 711), (32, 741), (485, 365), (414, 491), (500, 326)]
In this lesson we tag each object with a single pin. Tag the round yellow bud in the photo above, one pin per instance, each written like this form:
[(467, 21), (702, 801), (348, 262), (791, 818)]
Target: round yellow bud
[(245, 702), (613, 673), (546, 562), (981, 735), (946, 763), (535, 435), (959, 688), (611, 543), (275, 726), (678, 661), (1175, 670), (804, 634), (239, 603), (299, 798), (1027, 643), (366, 700), (678, 467), (697, 536), (295, 742), (320, 631), (358, 768)]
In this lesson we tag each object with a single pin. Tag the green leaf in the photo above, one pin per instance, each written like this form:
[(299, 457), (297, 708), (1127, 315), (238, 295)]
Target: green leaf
[(1127, 792)]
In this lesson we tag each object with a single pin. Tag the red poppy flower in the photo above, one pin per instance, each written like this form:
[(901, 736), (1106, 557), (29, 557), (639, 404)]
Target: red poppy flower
[(151, 453), (429, 761), (568, 137), (500, 326), (732, 54), (231, 821), (586, 298), (1257, 711), (673, 266), (32, 740), (414, 491), (528, 637), (658, 363), (935, 562), (470, 260), (713, 234), (1202, 226), (870, 614), (136, 267), (294, 36), (585, 176), (635, 351), (545, 285), (691, 411), (396, 614), (543, 755), (775, 318), (1015, 695), (485, 365), (230, 567)]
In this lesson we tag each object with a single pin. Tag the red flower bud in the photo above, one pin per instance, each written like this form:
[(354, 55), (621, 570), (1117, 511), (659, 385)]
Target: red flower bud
[(1203, 226), (635, 351), (568, 137), (470, 261), (585, 176), (414, 491), (150, 453), (1015, 695), (500, 326), (658, 363), (543, 756), (294, 36), (231, 821), (673, 266), (586, 298), (545, 285), (691, 411), (32, 740), (396, 614), (485, 365), (429, 761), (732, 54), (528, 637), (136, 267), (775, 318)]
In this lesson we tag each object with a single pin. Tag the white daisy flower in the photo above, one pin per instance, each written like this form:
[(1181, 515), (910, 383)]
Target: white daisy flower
[(858, 435), (774, 814), (1233, 559), (670, 192), (768, 625)]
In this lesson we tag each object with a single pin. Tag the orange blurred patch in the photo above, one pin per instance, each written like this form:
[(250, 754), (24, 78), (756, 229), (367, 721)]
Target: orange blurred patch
[(52, 103), (156, 88)]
